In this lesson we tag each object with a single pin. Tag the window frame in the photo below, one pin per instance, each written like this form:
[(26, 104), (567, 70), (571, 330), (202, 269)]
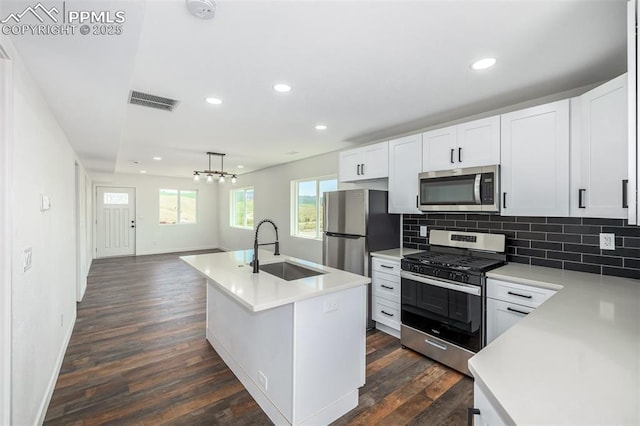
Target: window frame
[(294, 208), (178, 209), (232, 210)]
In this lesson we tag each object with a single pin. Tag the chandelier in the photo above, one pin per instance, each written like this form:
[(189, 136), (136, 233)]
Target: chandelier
[(221, 174)]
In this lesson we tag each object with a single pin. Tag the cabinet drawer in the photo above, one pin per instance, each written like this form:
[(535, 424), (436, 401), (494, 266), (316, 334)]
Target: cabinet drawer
[(386, 286), (386, 266), (386, 312), (518, 293)]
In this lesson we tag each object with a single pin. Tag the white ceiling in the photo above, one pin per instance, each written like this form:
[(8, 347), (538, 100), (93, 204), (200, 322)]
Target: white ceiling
[(367, 69)]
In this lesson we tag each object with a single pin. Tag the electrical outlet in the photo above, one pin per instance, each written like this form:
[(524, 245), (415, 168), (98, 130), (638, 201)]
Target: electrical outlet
[(423, 231), (26, 260), (607, 241), (330, 305), (263, 380)]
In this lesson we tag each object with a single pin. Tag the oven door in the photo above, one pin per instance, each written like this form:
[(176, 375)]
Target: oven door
[(450, 311)]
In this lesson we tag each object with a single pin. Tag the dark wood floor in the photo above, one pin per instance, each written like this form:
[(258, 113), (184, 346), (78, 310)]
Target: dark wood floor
[(138, 356)]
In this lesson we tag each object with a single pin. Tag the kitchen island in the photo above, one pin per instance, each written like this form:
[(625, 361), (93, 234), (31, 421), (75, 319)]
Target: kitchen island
[(575, 360), (297, 346)]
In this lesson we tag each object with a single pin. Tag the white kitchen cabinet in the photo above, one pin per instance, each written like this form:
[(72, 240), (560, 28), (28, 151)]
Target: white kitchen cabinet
[(508, 303), (535, 161), (600, 151), (368, 162), (405, 163), (437, 146), (472, 144), (487, 413), (385, 291), (633, 212)]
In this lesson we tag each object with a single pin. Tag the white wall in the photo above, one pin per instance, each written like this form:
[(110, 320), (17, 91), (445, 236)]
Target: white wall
[(272, 195), (151, 237), (5, 240), (44, 297), (272, 200)]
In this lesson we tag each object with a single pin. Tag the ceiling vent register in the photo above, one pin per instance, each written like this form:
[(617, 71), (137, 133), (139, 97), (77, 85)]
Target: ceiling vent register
[(152, 101)]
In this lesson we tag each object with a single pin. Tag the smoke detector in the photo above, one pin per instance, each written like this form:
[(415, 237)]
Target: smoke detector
[(203, 9)]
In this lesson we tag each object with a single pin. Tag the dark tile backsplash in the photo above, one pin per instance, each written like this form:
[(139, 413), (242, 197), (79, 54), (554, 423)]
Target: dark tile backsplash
[(556, 242)]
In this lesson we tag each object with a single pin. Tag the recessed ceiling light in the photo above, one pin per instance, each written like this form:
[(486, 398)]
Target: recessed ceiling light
[(157, 158), (214, 101), (321, 127), (282, 87), (240, 166), (292, 152), (143, 171), (483, 64)]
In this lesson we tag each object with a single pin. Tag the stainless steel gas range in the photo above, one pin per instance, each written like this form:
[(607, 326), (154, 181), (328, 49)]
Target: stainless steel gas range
[(443, 295)]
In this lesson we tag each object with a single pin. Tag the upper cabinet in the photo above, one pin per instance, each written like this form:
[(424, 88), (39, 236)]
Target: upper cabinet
[(405, 163), (633, 212), (368, 162), (472, 144), (535, 161), (599, 151)]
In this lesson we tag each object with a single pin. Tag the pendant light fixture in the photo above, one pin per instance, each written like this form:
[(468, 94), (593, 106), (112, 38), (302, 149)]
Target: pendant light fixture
[(221, 174)]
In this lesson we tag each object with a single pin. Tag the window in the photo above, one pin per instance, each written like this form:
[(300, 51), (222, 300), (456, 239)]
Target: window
[(116, 198), (242, 208), (178, 206), (307, 206)]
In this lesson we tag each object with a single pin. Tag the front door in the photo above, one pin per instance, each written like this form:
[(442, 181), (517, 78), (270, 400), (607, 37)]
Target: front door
[(115, 222)]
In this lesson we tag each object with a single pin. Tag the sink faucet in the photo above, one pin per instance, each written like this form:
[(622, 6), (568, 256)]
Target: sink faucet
[(255, 262)]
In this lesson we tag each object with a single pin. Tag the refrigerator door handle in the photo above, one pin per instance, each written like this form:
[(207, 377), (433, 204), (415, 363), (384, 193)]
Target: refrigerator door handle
[(333, 234)]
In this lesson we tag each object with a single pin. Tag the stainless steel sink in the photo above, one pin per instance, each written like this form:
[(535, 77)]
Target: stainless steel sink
[(289, 271)]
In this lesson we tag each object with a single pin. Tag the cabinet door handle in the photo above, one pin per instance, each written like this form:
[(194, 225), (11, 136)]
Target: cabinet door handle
[(526, 296), (470, 413), (386, 286), (417, 206), (362, 168), (504, 200), (459, 155), (581, 198), (625, 188), (387, 266), (509, 308), (386, 313), (358, 170), (451, 156)]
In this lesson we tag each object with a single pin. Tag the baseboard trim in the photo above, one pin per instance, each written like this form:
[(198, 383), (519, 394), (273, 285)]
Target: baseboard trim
[(176, 250), (44, 405)]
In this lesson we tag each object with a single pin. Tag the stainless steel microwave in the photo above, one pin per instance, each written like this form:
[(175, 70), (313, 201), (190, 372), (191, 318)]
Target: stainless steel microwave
[(470, 189)]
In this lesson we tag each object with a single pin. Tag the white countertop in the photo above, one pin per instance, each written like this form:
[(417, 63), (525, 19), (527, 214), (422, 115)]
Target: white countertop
[(573, 361), (230, 271), (395, 253)]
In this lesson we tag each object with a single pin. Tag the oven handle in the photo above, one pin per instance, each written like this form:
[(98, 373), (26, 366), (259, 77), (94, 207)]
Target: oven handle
[(469, 289), (476, 189)]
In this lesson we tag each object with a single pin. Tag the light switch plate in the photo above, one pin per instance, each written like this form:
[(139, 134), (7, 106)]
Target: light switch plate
[(26, 261), (607, 241), (45, 203), (423, 231)]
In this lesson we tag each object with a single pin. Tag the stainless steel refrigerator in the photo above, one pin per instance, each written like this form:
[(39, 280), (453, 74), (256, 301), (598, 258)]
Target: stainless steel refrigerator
[(356, 223)]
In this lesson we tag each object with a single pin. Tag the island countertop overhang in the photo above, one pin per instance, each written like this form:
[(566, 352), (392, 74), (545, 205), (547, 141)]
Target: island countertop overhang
[(230, 271)]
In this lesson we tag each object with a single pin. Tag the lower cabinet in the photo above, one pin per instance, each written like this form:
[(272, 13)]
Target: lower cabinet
[(485, 414), (508, 303), (385, 290)]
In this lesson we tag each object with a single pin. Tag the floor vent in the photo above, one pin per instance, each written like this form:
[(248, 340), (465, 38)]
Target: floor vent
[(152, 101)]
